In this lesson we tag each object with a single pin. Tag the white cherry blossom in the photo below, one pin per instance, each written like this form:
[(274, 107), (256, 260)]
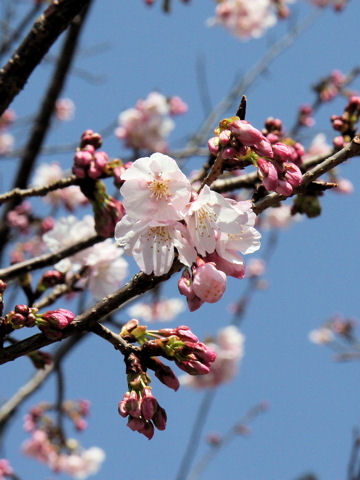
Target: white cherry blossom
[(155, 189), (152, 244)]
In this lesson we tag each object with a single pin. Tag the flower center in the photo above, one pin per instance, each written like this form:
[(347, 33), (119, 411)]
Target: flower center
[(159, 189)]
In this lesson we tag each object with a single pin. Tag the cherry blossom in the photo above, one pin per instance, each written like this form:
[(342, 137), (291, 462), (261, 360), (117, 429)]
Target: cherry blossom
[(155, 189), (207, 214), (106, 267), (148, 124), (152, 244), (245, 19)]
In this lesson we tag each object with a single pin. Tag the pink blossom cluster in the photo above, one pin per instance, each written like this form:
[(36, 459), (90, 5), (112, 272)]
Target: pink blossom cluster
[(164, 218), (330, 87), (176, 344), (346, 123), (5, 469), (148, 124), (246, 19), (50, 323), (143, 412), (48, 444), (20, 217), (105, 267), (229, 349), (277, 160), (6, 139), (71, 197), (87, 161)]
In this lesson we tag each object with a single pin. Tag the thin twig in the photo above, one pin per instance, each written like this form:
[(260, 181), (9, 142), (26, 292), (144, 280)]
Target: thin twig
[(47, 259)]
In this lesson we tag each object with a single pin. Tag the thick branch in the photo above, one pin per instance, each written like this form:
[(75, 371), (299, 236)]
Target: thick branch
[(341, 156), (139, 284), (47, 259), (45, 31)]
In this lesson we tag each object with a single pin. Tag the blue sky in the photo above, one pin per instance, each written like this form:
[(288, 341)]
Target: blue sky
[(314, 402)]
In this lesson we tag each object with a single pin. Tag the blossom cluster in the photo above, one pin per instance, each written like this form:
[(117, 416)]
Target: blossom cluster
[(71, 197), (51, 323), (277, 158), (249, 18), (105, 269), (148, 124), (329, 87), (48, 444), (164, 217), (346, 123), (177, 344)]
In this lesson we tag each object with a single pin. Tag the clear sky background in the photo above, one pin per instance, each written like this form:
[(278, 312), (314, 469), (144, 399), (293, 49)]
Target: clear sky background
[(314, 402)]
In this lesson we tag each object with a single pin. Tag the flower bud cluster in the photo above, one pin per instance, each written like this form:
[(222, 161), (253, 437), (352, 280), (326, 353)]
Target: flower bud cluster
[(143, 411), (107, 211), (20, 217), (49, 445), (277, 161), (88, 162), (50, 323), (177, 344), (148, 124), (280, 172), (329, 87), (40, 359), (21, 316), (336, 325), (346, 123)]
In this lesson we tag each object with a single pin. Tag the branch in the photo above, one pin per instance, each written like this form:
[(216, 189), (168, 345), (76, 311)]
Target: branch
[(18, 193), (47, 259), (42, 121), (138, 285), (45, 31)]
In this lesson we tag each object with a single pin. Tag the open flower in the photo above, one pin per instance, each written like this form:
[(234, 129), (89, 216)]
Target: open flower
[(155, 189), (152, 244)]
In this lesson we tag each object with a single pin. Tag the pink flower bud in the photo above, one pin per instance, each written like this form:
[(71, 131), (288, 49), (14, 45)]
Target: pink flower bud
[(268, 173), (177, 105), (83, 158), (209, 283), (167, 376), (91, 138), (149, 404), (245, 132), (284, 188), (282, 152), (224, 137), (293, 174), (160, 418), (263, 148), (214, 145), (59, 318)]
